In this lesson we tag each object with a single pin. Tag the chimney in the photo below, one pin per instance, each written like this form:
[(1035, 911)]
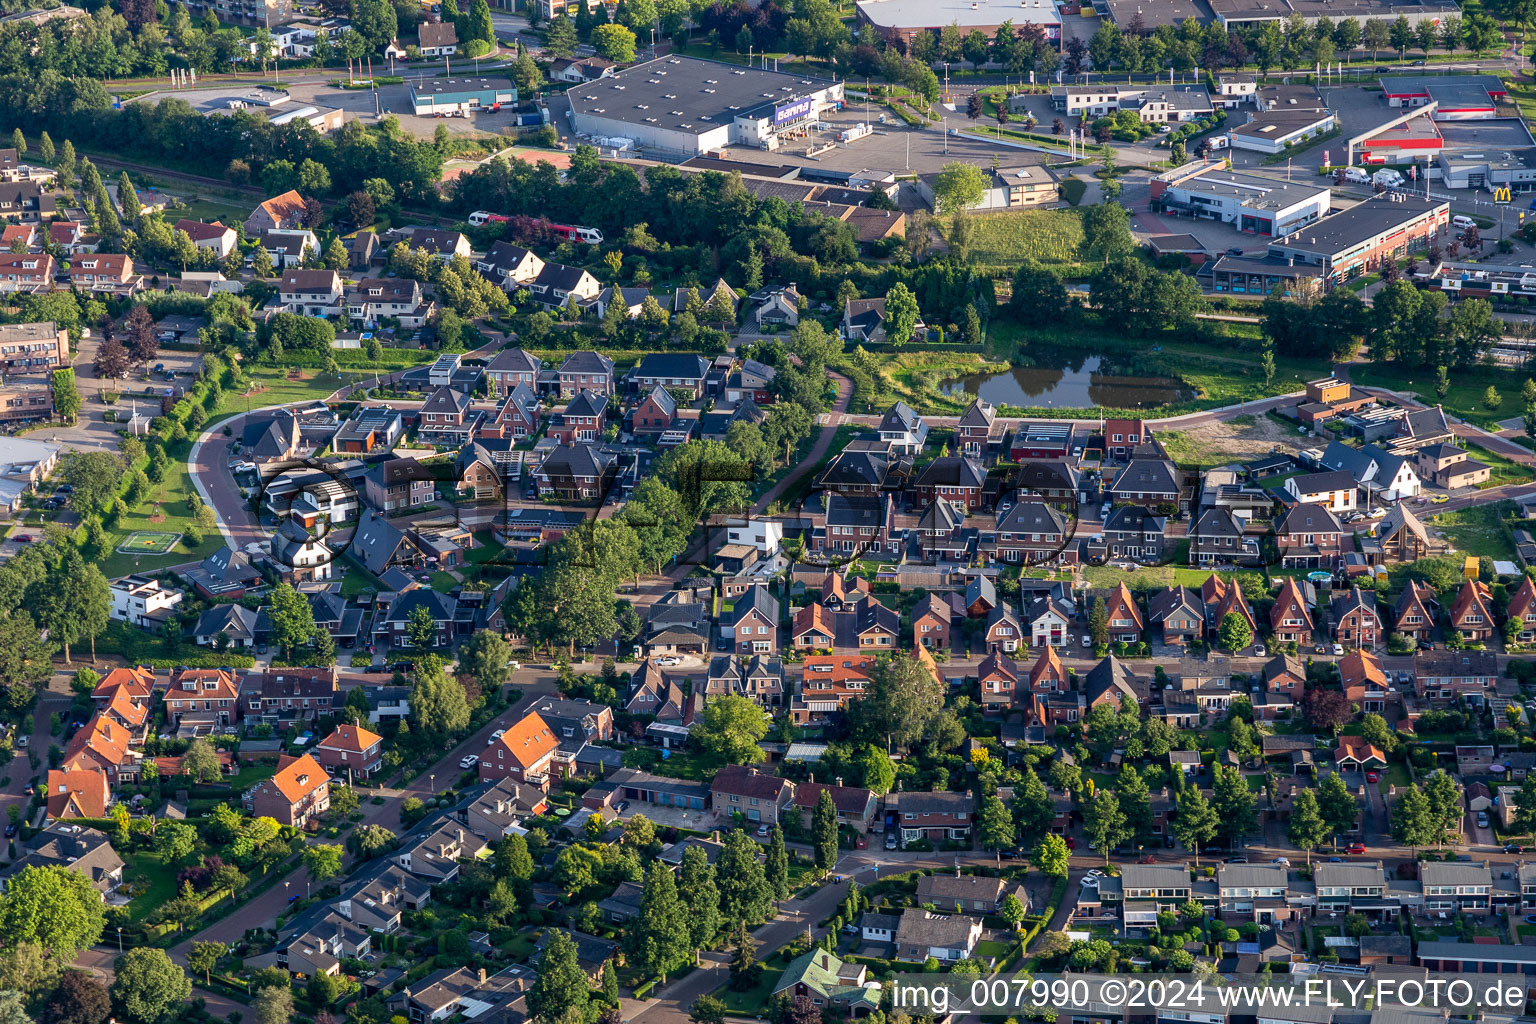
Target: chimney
[(812, 777), (461, 834), (715, 835), (482, 975)]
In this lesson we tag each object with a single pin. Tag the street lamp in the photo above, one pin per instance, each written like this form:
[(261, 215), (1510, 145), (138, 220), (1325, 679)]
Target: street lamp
[(119, 939)]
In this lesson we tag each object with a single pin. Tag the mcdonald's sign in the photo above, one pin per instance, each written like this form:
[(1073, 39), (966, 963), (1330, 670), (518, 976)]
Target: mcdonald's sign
[(1501, 195)]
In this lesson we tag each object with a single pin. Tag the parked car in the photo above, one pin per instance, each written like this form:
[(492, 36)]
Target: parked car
[(1355, 848), (1338, 650), (1372, 777), (468, 761), (669, 661), (498, 734), (762, 831), (1482, 819), (890, 840)]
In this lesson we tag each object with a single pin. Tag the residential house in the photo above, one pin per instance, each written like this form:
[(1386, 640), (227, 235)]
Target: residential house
[(1450, 467), (310, 292), (1456, 887), (936, 816), (903, 429), (1472, 611), (1309, 537), (225, 573), (1419, 428), (586, 370), (759, 679), (437, 38), (976, 430), (1151, 482), (1135, 533), (1219, 538), (827, 981), (955, 479), (1048, 619), (932, 617), (283, 695), (289, 249), (512, 267), (945, 937), (1221, 597), (1290, 617), (298, 794), (391, 627), (24, 272), (1179, 614), (753, 622), (656, 412), (1522, 611), (1443, 677), (399, 298), (1028, 532), (517, 417), (214, 237), (582, 420), (1005, 631), (752, 381), (856, 806), (998, 677), (511, 367), (1125, 622), (85, 851), (864, 321), (523, 753), (395, 484), (351, 752), (1355, 619), (1121, 438), (757, 797), (370, 429), (1385, 475), (103, 744), (278, 213), (1047, 675), (576, 473), (202, 700), (143, 601), (103, 274), (1400, 536), (828, 683), (1364, 681), (980, 894), (1335, 490), (674, 371), (778, 306), (80, 793), (1111, 682), (559, 285), (1417, 608)]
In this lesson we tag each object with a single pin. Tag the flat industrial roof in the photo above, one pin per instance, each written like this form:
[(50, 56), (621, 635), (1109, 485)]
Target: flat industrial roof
[(1494, 134), (1151, 12), (1338, 231), (1335, 9), (1449, 91), (440, 86), (1268, 266), (1276, 124), (1253, 190), (964, 13), (689, 93), (1416, 129)]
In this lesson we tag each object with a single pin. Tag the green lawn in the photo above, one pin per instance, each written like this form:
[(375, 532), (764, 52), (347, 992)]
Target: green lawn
[(1464, 399), (1505, 469), (752, 1001), (1479, 530), (151, 881), (1152, 577), (272, 386), (168, 500)]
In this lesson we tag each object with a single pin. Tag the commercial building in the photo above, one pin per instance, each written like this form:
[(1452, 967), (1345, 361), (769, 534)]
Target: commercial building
[(1139, 17), (1352, 242), (273, 104), (1013, 188), (1400, 142), (904, 19), (1273, 131), (25, 399), (459, 95), (1153, 103), (1263, 206), (1233, 14), (33, 348), (685, 105), (1456, 97)]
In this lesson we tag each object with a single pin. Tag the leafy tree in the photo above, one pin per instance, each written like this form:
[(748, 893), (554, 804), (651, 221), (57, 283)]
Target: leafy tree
[(323, 861), (1196, 823), (1525, 808), (615, 43), (1105, 823), (1234, 804), (776, 870), (727, 731), (369, 841), (1012, 911), (905, 698), (273, 1004), (707, 1009), (1106, 232), (1445, 803), (901, 314), (203, 957), (696, 891), (55, 908), (1234, 634), (175, 840), (1053, 857), (201, 762), (1328, 709), (1098, 623), (996, 825), (149, 987), (1136, 801), (439, 706), (744, 962), (1032, 809), (824, 831), (78, 999), (1306, 827), (1414, 823), (560, 991), (293, 620), (959, 187), (744, 891), (487, 656), (658, 940), (1337, 805), (66, 397), (561, 39)]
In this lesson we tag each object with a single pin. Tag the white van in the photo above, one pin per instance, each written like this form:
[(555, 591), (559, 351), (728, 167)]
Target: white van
[(1388, 177), (1356, 175), (1461, 221)]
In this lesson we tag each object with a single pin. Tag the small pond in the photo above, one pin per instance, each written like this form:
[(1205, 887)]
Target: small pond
[(1069, 380)]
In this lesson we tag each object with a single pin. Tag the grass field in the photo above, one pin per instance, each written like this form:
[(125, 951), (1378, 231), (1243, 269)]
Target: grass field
[(1479, 530), (915, 377), (171, 517), (148, 542), (271, 385), (1505, 469), (1465, 398), (1050, 236)]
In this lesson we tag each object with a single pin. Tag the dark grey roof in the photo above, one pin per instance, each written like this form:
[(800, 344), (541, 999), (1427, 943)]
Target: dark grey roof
[(1216, 522), (979, 414), (446, 400), (1173, 599), (587, 362), (952, 471), (559, 276), (1310, 519), (1316, 483), (1146, 476), (1032, 517), (375, 542), (1109, 674), (682, 365), (588, 403), (688, 94), (576, 460), (513, 360), (900, 416), (439, 606), (1134, 519), (1341, 231), (236, 621)]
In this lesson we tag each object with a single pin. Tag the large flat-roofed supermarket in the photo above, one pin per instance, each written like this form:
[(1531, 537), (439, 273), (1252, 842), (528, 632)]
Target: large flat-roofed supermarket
[(692, 106)]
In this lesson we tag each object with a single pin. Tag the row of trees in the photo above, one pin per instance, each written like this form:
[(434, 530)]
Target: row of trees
[(1403, 324)]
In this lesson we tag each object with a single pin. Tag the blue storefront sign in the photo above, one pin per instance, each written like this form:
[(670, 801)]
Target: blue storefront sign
[(791, 111)]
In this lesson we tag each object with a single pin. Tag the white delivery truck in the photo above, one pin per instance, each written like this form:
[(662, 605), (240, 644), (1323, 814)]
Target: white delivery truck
[(1357, 175), (1388, 177)]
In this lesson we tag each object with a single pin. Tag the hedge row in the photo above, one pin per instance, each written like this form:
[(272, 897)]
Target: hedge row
[(204, 661)]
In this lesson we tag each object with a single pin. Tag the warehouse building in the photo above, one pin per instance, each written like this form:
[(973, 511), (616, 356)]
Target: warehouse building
[(1353, 242), (431, 96), (1143, 17), (1262, 206), (904, 19), (686, 105), (1273, 131), (1456, 97), (1234, 14)]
